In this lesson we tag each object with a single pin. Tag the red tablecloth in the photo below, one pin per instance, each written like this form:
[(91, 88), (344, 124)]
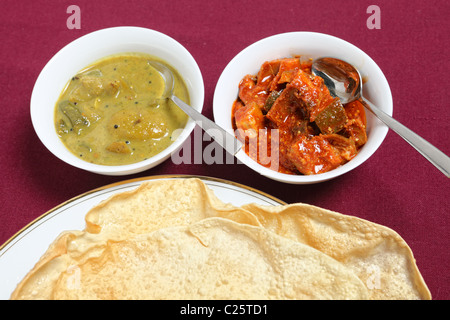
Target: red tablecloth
[(397, 187)]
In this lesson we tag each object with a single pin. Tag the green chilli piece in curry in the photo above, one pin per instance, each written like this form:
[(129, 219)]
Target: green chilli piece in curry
[(111, 112)]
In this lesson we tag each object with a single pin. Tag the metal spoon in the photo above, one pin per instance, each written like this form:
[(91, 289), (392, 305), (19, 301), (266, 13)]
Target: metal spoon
[(344, 82), (221, 136)]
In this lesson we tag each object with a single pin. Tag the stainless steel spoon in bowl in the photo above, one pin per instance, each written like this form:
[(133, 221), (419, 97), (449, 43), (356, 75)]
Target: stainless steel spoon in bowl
[(226, 140), (344, 81)]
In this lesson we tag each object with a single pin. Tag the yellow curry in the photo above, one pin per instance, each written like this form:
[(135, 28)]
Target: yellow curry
[(111, 112)]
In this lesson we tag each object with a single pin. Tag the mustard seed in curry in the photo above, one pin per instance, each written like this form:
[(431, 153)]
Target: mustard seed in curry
[(111, 113)]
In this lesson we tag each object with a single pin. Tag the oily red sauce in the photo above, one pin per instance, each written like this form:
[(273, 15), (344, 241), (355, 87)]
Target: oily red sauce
[(287, 112)]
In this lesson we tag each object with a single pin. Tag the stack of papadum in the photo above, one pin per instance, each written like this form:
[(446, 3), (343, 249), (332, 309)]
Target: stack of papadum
[(174, 239)]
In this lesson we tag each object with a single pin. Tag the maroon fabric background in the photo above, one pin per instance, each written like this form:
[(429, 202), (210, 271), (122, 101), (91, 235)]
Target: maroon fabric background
[(396, 187)]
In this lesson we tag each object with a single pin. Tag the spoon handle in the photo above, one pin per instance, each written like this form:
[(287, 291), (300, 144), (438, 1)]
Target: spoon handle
[(226, 140), (430, 152)]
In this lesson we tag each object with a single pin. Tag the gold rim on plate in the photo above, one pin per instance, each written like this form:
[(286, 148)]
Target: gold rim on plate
[(141, 179)]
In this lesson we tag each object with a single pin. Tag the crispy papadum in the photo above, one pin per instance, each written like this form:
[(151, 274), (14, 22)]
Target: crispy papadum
[(377, 255), (212, 259), (151, 206), (158, 204)]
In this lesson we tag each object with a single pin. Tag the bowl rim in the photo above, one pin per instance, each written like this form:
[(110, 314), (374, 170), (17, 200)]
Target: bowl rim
[(142, 33), (262, 44)]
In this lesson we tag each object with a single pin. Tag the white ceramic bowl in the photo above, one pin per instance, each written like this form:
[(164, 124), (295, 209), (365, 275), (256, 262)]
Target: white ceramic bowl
[(310, 45), (86, 50)]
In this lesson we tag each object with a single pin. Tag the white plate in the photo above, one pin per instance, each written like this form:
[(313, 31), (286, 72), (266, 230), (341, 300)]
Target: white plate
[(19, 254)]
